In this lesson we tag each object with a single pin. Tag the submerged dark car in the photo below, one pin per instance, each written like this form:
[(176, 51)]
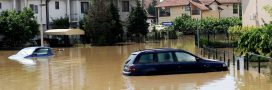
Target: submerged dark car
[(168, 60)]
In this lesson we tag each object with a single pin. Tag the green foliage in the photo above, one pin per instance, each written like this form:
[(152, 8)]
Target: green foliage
[(60, 23), (256, 40), (151, 8), (117, 28), (268, 9), (18, 27), (237, 31), (137, 26), (218, 25), (186, 24), (102, 24)]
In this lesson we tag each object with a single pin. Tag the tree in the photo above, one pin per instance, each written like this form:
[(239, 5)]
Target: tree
[(18, 27), (151, 8), (137, 25), (117, 28), (60, 23), (102, 23), (268, 9)]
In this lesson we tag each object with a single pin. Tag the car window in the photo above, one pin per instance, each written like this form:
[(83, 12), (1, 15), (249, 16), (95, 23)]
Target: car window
[(42, 51), (185, 57), (165, 57), (146, 58)]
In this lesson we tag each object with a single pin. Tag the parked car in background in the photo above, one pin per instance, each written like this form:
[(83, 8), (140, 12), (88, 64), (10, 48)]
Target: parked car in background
[(168, 60)]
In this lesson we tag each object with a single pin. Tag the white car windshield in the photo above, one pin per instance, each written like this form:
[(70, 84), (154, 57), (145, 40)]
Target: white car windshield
[(26, 51)]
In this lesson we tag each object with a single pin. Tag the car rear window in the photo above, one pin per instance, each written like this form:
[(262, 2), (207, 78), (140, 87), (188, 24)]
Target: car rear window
[(131, 57), (146, 58)]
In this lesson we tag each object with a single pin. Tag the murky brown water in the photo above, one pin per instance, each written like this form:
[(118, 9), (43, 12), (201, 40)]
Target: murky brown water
[(99, 68)]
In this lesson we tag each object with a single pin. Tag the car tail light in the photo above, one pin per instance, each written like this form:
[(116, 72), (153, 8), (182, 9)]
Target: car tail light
[(131, 69)]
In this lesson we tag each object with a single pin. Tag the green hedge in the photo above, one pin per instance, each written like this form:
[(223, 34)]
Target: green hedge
[(187, 24)]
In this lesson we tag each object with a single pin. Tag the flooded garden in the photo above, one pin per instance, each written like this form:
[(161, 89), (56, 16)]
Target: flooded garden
[(100, 68)]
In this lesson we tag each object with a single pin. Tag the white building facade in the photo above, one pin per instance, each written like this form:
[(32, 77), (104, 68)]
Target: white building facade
[(74, 9)]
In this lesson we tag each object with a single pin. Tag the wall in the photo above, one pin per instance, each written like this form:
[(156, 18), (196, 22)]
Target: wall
[(124, 15), (228, 11), (174, 12), (249, 9), (210, 13), (6, 4)]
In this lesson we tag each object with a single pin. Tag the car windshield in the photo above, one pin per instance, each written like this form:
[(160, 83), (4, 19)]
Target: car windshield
[(26, 51)]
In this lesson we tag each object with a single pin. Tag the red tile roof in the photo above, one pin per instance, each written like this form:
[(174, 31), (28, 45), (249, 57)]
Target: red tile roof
[(199, 5), (166, 3), (220, 1)]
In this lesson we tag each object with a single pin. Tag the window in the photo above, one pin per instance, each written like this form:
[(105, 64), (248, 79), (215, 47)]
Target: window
[(165, 11), (185, 57), (42, 51), (0, 5), (84, 7), (34, 8), (125, 6), (165, 57), (235, 8), (146, 58), (187, 8), (196, 12), (56, 5)]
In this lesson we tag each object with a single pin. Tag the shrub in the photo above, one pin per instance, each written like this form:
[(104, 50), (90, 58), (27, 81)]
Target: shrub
[(18, 27), (256, 40), (60, 23)]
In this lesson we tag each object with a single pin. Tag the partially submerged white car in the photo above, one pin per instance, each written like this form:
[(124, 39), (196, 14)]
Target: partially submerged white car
[(32, 52)]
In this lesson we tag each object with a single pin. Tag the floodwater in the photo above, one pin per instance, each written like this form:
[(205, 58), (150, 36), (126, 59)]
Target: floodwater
[(99, 68)]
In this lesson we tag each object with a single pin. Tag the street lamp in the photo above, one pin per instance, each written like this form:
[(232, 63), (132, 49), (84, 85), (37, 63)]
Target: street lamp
[(47, 13), (41, 24)]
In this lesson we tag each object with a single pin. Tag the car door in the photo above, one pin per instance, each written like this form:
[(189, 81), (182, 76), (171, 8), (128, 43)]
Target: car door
[(145, 63), (165, 62), (186, 62)]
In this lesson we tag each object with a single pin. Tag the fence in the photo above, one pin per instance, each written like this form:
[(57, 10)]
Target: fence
[(229, 57)]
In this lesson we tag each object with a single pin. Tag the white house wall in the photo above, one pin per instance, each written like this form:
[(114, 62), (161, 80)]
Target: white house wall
[(57, 13), (249, 12), (6, 4), (74, 12)]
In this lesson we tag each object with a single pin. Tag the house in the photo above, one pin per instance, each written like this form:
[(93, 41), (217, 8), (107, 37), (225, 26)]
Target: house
[(254, 13), (74, 9), (168, 10)]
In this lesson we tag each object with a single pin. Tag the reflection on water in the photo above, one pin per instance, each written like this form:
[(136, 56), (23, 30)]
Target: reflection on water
[(99, 68)]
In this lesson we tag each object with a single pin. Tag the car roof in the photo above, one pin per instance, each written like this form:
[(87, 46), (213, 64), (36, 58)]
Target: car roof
[(156, 50), (35, 47)]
